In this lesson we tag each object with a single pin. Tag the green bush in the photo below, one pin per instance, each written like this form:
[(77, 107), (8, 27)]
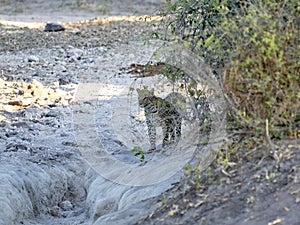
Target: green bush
[(254, 47), (262, 77)]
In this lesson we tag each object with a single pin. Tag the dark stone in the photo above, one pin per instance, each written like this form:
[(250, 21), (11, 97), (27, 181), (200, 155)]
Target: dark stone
[(2, 124), (64, 80), (20, 124), (51, 27), (21, 92)]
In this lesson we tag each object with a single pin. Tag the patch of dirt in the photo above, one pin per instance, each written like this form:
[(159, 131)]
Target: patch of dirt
[(73, 11), (87, 34), (253, 188)]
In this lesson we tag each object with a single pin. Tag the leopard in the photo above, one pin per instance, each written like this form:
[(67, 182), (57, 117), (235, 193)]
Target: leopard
[(160, 112)]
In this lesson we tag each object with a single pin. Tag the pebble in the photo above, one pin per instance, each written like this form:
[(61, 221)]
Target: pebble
[(51, 113), (33, 58), (66, 205), (16, 103), (20, 124), (54, 27), (14, 147)]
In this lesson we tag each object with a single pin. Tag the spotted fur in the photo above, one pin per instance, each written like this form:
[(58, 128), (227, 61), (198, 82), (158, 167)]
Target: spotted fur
[(162, 112)]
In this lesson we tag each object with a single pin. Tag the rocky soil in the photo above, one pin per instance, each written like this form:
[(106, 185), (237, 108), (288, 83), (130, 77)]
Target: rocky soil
[(254, 187), (62, 92), (44, 177)]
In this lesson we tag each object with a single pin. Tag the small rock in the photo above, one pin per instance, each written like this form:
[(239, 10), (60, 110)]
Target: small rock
[(76, 31), (21, 92), (55, 212), (60, 50), (52, 27), (64, 69), (66, 205), (75, 53), (51, 113), (36, 74), (63, 80), (8, 78), (16, 103), (33, 58), (20, 124), (14, 147)]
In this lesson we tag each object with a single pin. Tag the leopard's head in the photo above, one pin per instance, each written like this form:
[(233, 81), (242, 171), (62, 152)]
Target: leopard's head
[(144, 94)]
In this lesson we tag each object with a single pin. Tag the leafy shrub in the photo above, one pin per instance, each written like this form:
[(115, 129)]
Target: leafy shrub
[(254, 47), (262, 77)]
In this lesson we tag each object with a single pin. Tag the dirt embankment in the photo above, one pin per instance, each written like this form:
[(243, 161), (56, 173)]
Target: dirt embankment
[(253, 188)]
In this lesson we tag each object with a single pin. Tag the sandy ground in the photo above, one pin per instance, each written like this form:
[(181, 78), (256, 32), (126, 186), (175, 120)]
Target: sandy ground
[(72, 11)]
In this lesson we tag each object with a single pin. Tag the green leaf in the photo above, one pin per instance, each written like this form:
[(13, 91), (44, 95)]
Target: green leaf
[(138, 151)]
